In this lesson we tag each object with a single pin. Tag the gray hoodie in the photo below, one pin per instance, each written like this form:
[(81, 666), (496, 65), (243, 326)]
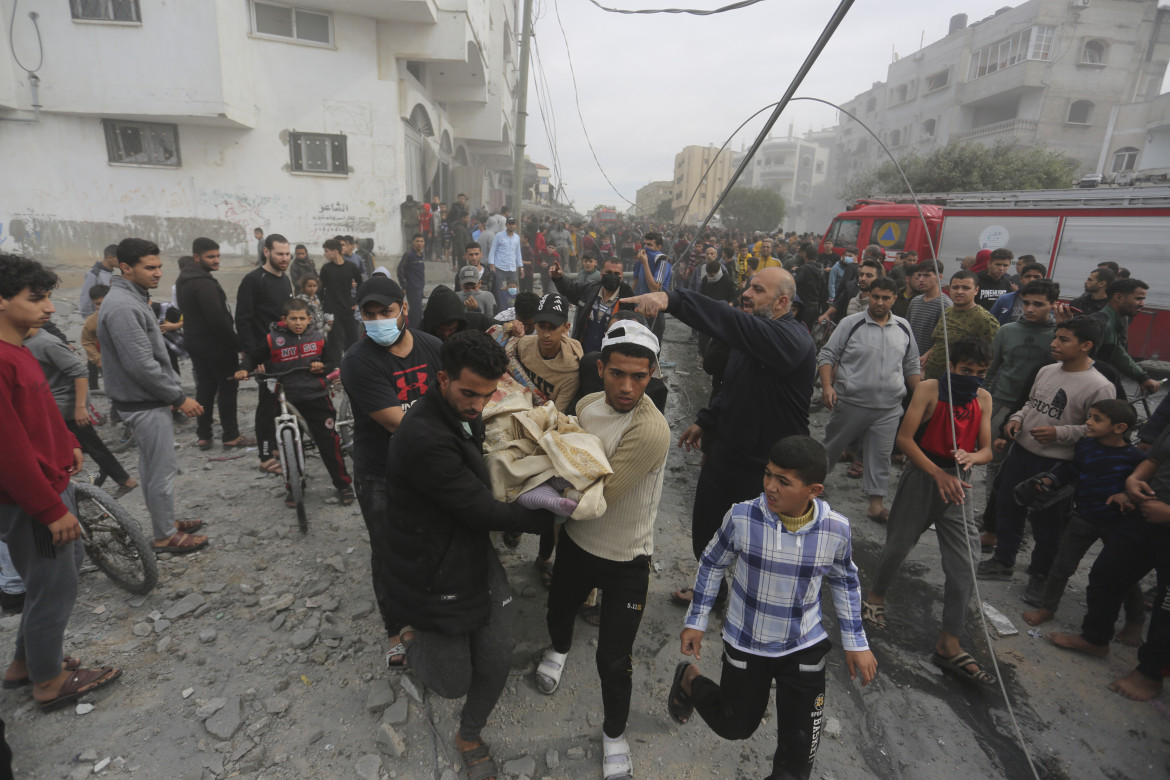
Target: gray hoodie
[(135, 363)]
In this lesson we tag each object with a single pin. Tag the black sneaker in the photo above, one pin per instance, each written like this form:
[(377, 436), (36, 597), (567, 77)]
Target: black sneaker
[(11, 603), (1034, 593), (991, 569)]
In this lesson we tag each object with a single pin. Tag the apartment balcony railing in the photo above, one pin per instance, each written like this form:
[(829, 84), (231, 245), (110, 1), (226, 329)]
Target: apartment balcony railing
[(1007, 127)]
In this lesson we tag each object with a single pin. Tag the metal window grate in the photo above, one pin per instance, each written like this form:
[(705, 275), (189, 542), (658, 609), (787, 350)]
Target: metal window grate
[(318, 153)]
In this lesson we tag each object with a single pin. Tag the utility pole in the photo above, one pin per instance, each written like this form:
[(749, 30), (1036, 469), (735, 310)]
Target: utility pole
[(521, 116)]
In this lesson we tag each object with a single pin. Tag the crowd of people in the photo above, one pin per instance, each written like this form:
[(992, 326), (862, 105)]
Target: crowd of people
[(988, 368)]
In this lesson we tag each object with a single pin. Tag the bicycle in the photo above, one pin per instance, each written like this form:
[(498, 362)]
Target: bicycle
[(343, 420), (114, 541), (289, 446)]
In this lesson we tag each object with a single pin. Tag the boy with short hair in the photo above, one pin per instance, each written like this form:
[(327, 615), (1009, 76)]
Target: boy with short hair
[(783, 543), (471, 293), (993, 282), (37, 519), (1103, 460), (930, 493), (965, 319), (89, 339), (1044, 433), (295, 343)]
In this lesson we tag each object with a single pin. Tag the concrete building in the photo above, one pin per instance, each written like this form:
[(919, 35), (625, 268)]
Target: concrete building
[(648, 197), (170, 121), (690, 166), (1051, 73), (795, 167)]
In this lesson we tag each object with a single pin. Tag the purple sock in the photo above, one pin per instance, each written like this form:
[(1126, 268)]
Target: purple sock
[(545, 497)]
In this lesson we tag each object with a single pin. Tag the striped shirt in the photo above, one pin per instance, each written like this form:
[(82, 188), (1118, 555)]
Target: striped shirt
[(775, 604)]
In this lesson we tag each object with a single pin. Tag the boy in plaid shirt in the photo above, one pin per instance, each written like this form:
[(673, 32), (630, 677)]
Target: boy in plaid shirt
[(783, 542)]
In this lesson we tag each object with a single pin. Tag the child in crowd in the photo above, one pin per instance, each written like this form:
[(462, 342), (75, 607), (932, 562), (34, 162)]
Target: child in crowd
[(89, 339), (930, 492), (783, 543), (470, 292), (294, 343), (1045, 433), (307, 292), (1103, 460), (1140, 542)]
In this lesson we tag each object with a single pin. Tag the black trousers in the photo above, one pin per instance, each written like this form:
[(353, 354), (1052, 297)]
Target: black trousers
[(213, 371), (625, 584), (1121, 564), (1079, 535), (720, 485), (321, 418), (265, 421), (93, 446), (345, 329), (94, 374), (374, 501), (735, 706)]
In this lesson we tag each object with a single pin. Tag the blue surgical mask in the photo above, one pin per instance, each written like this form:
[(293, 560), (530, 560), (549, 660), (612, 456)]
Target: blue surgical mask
[(385, 333), (511, 291)]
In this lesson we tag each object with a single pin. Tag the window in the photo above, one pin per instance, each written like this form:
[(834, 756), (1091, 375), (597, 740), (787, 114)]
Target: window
[(844, 233), (105, 10), (871, 104), (318, 153), (282, 21), (141, 143), (1124, 159), (902, 94), (928, 128), (820, 168), (895, 138), (1093, 53), (938, 80), (1031, 43), (1080, 112)]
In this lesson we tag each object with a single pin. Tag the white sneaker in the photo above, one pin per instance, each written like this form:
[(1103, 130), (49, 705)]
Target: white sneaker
[(548, 671)]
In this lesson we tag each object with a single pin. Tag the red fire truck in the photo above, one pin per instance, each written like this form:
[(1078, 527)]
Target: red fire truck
[(1069, 231)]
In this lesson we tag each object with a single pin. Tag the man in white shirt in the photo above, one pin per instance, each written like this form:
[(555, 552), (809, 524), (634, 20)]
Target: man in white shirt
[(505, 261)]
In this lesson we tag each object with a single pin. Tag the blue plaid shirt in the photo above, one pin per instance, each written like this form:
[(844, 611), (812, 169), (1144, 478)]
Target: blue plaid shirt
[(775, 605)]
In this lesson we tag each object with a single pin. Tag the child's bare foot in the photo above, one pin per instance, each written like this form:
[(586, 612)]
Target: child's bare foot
[(1130, 635), (1037, 616), (1078, 643), (1137, 686)]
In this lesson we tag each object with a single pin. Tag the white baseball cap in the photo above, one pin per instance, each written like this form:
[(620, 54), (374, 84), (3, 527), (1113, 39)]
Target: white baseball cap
[(631, 332)]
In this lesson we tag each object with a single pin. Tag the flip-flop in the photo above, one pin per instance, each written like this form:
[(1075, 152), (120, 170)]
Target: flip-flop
[(271, 466), (679, 704), (181, 544), (69, 664), (240, 443), (957, 665), (396, 655), (873, 615), (81, 683), (478, 763), (856, 470)]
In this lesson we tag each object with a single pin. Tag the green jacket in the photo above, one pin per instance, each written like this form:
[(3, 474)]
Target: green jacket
[(975, 322), (1019, 349), (1113, 347)]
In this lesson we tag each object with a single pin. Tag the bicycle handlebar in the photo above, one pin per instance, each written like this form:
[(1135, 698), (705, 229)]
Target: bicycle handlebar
[(276, 374)]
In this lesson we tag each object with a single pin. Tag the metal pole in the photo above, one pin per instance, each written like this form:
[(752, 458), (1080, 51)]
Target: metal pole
[(521, 116)]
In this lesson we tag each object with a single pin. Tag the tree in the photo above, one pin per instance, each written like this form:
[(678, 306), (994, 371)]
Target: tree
[(969, 167), (665, 211), (751, 208)]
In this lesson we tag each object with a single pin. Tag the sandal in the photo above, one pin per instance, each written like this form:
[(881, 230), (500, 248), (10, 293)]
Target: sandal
[(239, 443), (346, 496), (396, 655), (591, 614), (548, 672), (545, 569), (856, 470), (69, 664), (123, 490), (80, 683), (188, 526), (478, 764), (615, 760), (181, 544), (288, 501), (873, 615), (957, 665), (271, 466), (680, 705)]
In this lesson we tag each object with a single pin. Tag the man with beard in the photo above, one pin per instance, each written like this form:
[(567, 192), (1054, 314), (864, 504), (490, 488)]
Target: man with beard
[(210, 339), (764, 396), (595, 302)]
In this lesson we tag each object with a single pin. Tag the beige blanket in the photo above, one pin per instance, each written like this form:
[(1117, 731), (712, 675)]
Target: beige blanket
[(526, 447)]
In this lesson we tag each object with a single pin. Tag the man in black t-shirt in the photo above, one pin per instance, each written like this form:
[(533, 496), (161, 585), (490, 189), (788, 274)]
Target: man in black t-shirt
[(338, 278), (994, 281), (383, 374)]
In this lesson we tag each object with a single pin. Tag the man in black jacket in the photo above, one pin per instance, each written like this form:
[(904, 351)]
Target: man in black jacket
[(210, 339), (595, 301), (445, 579), (259, 301)]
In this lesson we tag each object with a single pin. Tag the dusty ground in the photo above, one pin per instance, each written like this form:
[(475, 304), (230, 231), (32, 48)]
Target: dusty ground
[(261, 657)]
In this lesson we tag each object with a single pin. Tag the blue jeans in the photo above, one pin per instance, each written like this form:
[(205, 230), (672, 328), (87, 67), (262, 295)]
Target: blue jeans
[(10, 581)]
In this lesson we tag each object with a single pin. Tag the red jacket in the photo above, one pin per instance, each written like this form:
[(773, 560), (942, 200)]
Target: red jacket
[(38, 449)]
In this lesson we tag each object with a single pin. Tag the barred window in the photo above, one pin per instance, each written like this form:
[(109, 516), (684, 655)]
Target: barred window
[(318, 153), (142, 143)]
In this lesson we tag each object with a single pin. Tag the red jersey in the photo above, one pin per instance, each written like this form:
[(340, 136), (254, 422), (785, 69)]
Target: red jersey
[(936, 439)]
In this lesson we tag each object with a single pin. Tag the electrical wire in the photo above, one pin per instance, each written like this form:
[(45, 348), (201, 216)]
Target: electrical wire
[(12, 45), (577, 98), (544, 103), (692, 11)]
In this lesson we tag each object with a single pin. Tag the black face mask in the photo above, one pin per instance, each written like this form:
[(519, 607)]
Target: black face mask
[(611, 281)]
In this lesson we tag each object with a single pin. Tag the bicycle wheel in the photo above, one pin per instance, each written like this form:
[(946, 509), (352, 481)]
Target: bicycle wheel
[(343, 423), (122, 440), (294, 476), (116, 544)]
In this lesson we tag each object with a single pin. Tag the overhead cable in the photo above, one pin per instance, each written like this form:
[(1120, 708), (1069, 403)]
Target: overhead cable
[(691, 11)]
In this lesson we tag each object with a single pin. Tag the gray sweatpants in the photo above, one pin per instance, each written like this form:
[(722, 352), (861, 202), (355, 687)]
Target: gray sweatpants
[(877, 428), (158, 463), (917, 504), (474, 665), (51, 589)]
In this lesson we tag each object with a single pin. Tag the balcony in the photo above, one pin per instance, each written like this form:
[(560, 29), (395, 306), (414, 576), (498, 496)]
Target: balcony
[(1014, 127)]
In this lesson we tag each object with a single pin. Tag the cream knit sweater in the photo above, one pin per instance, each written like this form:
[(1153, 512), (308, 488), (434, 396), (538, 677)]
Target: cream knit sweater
[(636, 444)]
